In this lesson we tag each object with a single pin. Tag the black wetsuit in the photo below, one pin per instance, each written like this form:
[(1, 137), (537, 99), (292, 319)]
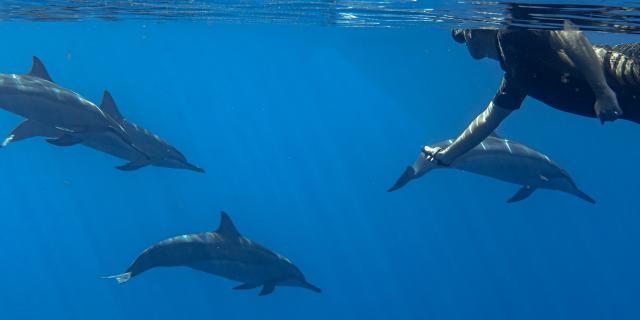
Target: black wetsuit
[(533, 68)]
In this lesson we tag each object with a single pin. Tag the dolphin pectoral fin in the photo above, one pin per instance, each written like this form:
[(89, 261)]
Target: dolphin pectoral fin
[(246, 286), (522, 194), (65, 140), (267, 289), (134, 165), (29, 129), (406, 176)]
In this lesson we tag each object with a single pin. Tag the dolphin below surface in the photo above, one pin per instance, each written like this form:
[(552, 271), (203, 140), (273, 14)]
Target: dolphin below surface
[(504, 160), (36, 90), (224, 253), (157, 152), (47, 105)]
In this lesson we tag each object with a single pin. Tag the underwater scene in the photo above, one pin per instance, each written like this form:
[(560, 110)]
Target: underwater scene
[(284, 159)]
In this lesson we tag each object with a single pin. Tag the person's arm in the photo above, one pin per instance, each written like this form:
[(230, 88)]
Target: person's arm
[(508, 98), (479, 129), (578, 48)]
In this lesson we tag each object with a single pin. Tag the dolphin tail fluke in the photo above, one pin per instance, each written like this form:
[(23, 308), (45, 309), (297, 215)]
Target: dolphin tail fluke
[(522, 194), (121, 278), (578, 193), (407, 176), (29, 129)]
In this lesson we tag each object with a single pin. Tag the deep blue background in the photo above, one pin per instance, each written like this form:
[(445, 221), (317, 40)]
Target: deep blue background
[(301, 131)]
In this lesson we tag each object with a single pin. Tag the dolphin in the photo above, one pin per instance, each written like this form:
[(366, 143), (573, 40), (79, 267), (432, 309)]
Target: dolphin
[(504, 160), (68, 119), (225, 253), (156, 151), (46, 105)]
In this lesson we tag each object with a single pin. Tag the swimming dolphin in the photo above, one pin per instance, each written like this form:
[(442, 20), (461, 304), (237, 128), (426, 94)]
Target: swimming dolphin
[(224, 253), (41, 101), (156, 151), (504, 160), (47, 105)]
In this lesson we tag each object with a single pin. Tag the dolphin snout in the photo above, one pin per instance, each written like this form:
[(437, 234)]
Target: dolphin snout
[(311, 287), (408, 175), (192, 167)]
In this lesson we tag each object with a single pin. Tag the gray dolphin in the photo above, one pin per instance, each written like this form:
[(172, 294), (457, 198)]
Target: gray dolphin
[(156, 151), (67, 119), (47, 105), (504, 160), (225, 253)]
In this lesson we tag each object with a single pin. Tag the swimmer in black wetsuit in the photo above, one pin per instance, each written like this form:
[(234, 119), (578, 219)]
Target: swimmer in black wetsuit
[(560, 68)]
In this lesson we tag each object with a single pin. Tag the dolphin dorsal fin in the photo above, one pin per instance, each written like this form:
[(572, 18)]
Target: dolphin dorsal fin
[(38, 70), (110, 108), (226, 228), (496, 135)]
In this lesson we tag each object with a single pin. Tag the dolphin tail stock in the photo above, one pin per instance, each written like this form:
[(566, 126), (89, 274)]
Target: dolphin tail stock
[(406, 176), (522, 194), (121, 278)]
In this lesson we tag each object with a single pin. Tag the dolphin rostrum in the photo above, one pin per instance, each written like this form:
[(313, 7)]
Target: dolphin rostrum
[(48, 106), (504, 160), (225, 253)]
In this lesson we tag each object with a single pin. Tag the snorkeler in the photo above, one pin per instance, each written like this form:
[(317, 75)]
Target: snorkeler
[(559, 68)]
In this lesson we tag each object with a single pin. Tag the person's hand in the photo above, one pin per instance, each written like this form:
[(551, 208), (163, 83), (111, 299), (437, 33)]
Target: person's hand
[(606, 107), (431, 155)]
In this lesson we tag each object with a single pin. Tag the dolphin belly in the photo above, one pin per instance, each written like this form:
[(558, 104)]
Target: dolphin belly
[(236, 270)]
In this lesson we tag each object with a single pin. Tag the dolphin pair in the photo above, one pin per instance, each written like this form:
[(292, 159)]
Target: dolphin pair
[(225, 253), (504, 160), (67, 118)]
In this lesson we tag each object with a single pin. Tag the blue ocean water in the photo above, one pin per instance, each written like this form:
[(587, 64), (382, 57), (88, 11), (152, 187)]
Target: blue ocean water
[(301, 130)]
